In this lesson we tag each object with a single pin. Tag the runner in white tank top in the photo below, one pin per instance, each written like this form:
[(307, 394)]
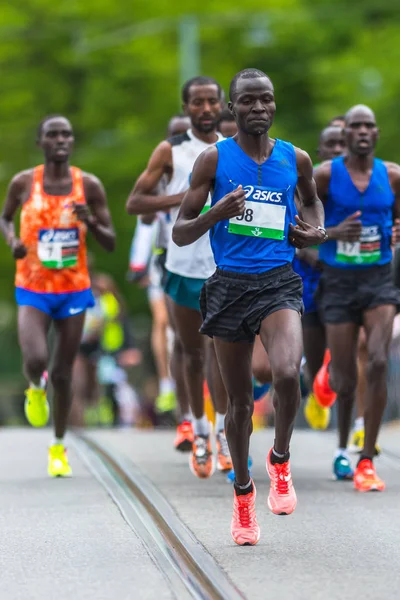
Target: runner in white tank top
[(196, 260), (189, 267)]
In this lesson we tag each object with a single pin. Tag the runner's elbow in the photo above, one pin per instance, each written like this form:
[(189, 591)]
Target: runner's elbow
[(177, 236), (133, 205)]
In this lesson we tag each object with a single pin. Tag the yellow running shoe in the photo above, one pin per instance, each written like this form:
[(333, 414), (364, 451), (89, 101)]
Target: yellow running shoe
[(36, 407), (166, 402), (58, 461), (356, 445), (317, 416)]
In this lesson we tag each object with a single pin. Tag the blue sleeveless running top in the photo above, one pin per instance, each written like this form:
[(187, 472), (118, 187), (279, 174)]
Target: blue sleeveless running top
[(257, 241), (376, 206)]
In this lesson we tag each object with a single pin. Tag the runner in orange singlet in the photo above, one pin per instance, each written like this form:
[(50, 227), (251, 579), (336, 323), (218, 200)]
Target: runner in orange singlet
[(59, 204)]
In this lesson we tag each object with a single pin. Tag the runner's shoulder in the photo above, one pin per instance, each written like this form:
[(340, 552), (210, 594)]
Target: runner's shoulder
[(91, 182), (303, 161), (324, 170), (22, 180), (207, 161), (393, 169), (301, 154)]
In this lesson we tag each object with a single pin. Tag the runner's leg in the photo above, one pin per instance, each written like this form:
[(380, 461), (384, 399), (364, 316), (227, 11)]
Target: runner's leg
[(378, 324), (177, 370), (187, 322), (261, 367), (281, 336), (68, 338), (234, 359), (314, 341), (33, 327), (342, 342)]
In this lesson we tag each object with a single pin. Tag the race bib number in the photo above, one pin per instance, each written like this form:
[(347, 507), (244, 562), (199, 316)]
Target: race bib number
[(260, 220), (364, 252), (58, 248)]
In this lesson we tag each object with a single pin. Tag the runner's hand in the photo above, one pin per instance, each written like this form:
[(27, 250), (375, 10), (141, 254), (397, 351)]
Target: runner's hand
[(82, 212), (231, 205), (18, 249), (349, 230), (396, 232), (303, 235)]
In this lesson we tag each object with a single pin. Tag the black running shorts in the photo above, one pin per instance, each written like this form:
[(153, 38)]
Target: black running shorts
[(233, 305), (344, 294)]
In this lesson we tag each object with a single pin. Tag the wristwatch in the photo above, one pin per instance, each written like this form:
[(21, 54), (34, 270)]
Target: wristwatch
[(323, 231)]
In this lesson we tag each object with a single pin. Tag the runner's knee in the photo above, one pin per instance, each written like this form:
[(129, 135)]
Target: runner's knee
[(377, 366), (194, 358), (35, 365), (286, 379), (344, 384), (61, 378), (262, 371), (240, 409)]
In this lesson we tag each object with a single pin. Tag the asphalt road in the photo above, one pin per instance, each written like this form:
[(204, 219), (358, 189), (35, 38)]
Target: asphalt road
[(65, 539), (338, 545)]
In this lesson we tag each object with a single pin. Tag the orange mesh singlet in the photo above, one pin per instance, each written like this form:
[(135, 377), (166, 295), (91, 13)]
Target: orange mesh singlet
[(55, 240)]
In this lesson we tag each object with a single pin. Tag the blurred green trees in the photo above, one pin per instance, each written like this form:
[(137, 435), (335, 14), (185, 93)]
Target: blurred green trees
[(114, 69)]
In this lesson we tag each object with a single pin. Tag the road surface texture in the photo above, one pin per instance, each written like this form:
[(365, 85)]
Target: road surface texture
[(66, 539)]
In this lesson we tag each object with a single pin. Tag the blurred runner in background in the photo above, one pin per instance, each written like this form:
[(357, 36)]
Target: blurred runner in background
[(59, 205), (189, 267)]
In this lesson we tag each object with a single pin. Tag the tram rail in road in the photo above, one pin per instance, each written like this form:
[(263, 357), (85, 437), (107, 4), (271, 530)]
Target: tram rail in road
[(189, 569)]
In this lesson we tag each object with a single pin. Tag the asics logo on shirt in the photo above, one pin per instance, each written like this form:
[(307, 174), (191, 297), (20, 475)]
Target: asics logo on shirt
[(58, 235), (257, 193)]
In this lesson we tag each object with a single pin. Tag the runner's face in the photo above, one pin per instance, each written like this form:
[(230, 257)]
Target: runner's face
[(57, 139), (332, 144), (228, 128), (204, 107), (254, 105), (361, 132)]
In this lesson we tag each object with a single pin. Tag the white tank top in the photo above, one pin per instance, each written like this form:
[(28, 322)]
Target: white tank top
[(196, 260)]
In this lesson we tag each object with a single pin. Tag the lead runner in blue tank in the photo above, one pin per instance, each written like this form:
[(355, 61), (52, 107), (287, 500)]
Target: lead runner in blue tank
[(254, 230)]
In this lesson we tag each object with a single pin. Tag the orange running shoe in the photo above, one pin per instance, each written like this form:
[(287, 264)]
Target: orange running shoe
[(184, 437), (201, 461), (321, 388), (282, 497), (224, 461), (366, 479), (244, 527)]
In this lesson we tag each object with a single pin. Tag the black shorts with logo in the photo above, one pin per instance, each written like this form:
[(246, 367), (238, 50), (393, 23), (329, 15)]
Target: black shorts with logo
[(233, 305), (344, 294)]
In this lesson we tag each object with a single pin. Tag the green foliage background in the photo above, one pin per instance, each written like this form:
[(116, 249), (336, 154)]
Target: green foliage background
[(113, 68)]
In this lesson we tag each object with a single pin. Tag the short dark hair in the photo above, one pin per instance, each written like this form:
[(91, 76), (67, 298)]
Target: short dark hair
[(226, 115), (245, 74), (200, 80), (338, 118), (44, 120)]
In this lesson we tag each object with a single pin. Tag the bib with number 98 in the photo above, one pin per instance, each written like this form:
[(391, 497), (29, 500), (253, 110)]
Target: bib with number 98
[(264, 220)]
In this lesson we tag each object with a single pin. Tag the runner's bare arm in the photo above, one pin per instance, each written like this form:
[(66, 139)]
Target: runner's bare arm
[(349, 230), (98, 219), (142, 199), (191, 223), (306, 233), (312, 209), (18, 191), (394, 178)]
